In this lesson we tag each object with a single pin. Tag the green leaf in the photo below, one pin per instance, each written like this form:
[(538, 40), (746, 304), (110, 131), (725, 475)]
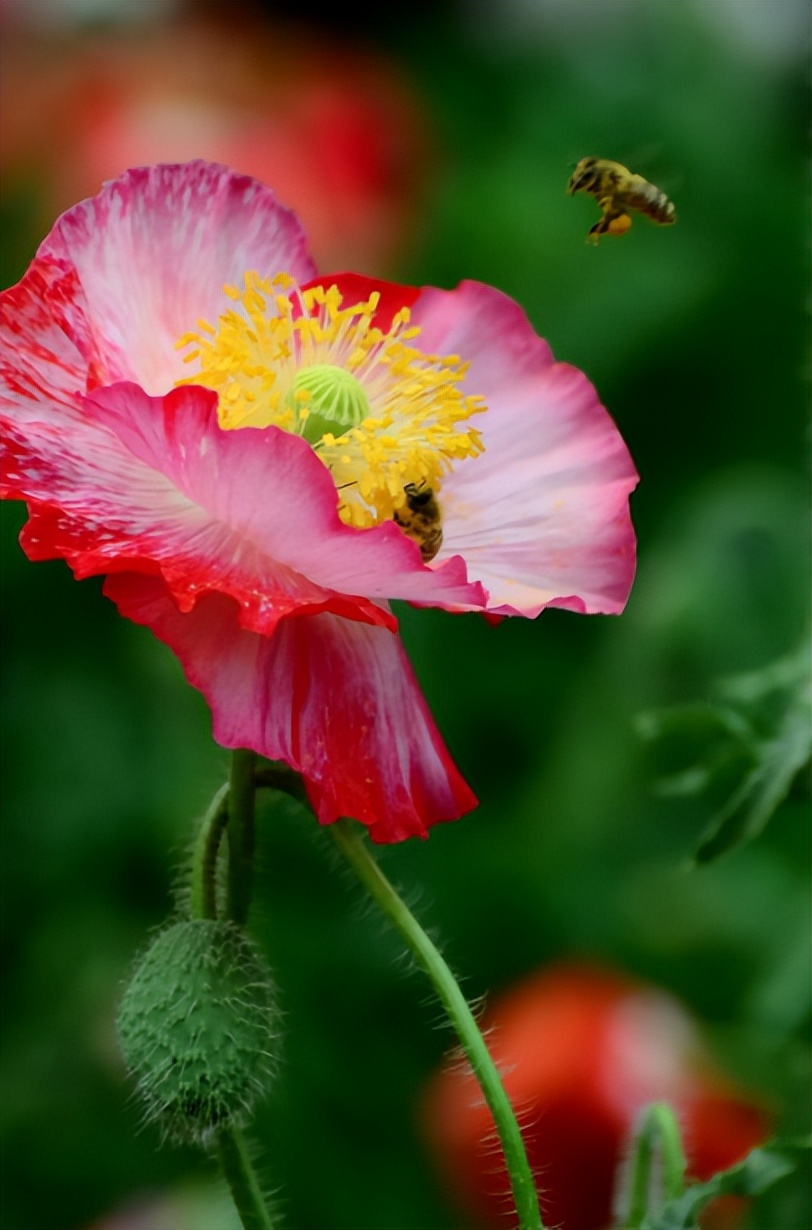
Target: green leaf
[(760, 1169), (701, 719), (766, 785), (757, 736)]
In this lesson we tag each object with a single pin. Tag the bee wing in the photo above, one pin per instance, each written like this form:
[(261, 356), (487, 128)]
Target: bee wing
[(646, 157), (651, 161)]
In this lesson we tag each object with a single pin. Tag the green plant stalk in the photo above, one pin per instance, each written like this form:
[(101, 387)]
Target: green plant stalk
[(203, 888), (658, 1129), (240, 833), (386, 898), (639, 1182), (231, 811), (242, 1181), (674, 1162)]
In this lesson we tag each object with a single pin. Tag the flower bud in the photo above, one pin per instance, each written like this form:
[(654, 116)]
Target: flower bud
[(196, 1028)]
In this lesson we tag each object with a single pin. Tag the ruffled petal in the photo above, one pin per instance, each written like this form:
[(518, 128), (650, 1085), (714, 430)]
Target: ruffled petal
[(152, 252), (155, 485), (336, 700), (271, 489), (542, 516), (47, 355)]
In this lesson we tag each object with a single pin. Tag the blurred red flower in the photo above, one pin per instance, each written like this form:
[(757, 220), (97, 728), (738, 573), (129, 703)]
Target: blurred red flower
[(335, 127), (581, 1050)]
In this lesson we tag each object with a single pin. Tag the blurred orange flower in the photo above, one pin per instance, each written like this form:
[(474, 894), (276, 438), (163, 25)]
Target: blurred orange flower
[(581, 1050)]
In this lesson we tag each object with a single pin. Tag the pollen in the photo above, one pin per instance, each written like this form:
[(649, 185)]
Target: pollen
[(379, 412)]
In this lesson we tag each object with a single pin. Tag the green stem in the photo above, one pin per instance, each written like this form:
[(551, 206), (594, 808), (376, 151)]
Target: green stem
[(240, 835), (272, 775), (674, 1162), (639, 1183), (386, 898), (203, 890), (658, 1134), (232, 809), (242, 1181)]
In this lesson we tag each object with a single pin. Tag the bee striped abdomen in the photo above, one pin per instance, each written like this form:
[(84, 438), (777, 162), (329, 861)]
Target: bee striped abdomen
[(647, 199)]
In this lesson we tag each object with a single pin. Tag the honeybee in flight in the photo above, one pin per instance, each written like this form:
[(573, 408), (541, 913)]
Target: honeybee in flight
[(421, 519), (617, 190)]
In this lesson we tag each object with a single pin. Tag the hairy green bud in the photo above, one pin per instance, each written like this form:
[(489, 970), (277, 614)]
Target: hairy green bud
[(196, 1028)]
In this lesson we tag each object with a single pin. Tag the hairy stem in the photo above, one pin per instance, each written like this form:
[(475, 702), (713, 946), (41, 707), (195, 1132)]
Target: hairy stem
[(656, 1166), (242, 1181), (232, 810), (359, 857), (203, 893), (240, 832)]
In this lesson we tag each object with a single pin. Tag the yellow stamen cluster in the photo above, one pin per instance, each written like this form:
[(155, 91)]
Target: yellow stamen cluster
[(377, 411)]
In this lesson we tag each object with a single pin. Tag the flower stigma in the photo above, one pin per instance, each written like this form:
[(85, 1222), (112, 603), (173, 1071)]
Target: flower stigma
[(327, 400), (377, 411)]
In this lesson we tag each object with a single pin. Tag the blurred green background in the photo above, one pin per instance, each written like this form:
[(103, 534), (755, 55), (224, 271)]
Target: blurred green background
[(697, 340)]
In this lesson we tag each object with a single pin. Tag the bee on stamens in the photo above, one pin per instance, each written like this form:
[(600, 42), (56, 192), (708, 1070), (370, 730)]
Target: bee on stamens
[(421, 519), (617, 190)]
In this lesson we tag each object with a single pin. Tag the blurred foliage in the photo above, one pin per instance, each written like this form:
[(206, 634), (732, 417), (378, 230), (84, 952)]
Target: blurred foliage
[(696, 338), (759, 1170), (761, 735), (653, 1193)]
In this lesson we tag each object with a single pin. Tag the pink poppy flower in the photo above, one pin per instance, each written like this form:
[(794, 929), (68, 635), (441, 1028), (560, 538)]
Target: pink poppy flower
[(248, 452)]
